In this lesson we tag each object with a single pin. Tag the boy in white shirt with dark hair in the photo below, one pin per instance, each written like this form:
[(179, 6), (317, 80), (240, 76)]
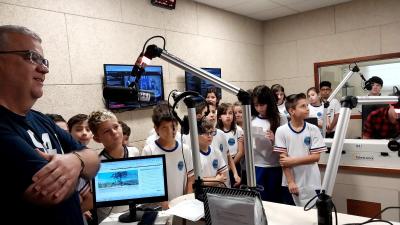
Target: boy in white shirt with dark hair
[(213, 167), (218, 140), (333, 109), (178, 157), (299, 144)]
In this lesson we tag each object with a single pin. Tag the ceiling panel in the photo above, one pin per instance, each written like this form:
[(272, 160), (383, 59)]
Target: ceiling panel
[(248, 8), (269, 9), (307, 5), (273, 13)]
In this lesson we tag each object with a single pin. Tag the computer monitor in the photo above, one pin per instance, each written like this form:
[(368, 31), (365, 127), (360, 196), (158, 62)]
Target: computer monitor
[(130, 181), (120, 75), (199, 85)]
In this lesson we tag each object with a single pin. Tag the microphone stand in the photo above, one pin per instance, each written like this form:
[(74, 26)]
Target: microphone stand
[(324, 202), (333, 94), (243, 96), (194, 141)]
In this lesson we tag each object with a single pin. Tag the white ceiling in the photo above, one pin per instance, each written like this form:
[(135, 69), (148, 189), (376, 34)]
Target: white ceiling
[(269, 9)]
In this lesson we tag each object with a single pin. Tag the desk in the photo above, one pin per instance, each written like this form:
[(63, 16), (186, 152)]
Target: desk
[(277, 214), (162, 219)]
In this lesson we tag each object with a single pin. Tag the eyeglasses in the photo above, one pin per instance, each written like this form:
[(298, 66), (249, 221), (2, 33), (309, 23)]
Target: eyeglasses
[(325, 89), (33, 56), (211, 133)]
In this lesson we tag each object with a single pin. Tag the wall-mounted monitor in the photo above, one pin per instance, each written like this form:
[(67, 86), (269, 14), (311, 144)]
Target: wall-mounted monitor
[(119, 75), (199, 85)]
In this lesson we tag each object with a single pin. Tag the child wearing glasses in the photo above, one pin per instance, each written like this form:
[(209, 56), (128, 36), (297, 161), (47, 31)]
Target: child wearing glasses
[(213, 167), (177, 155), (219, 141)]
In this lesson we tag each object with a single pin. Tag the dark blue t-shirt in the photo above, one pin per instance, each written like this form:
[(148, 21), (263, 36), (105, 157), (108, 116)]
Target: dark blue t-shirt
[(19, 137)]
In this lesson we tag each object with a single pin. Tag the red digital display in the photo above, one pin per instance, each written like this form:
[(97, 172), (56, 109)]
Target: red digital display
[(168, 4)]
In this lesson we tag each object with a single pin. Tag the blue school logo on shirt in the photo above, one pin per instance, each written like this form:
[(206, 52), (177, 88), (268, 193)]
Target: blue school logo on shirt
[(286, 113), (307, 141), (231, 141), (221, 147), (319, 114), (180, 165), (215, 163)]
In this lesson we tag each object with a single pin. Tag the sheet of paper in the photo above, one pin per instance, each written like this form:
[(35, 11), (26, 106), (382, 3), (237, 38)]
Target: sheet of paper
[(191, 209)]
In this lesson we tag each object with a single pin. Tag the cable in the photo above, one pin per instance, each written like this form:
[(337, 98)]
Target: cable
[(157, 36), (168, 100), (334, 207), (184, 162), (374, 220), (183, 155)]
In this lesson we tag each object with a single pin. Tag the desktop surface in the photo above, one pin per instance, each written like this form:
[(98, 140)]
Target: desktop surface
[(277, 214)]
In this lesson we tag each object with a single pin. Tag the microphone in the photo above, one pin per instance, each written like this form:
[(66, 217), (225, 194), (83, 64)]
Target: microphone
[(144, 59), (123, 94)]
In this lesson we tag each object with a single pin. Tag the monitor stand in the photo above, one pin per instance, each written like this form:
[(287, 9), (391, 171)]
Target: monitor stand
[(132, 216)]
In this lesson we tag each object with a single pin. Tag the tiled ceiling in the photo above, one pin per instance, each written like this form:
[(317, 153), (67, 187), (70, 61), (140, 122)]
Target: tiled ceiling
[(269, 9)]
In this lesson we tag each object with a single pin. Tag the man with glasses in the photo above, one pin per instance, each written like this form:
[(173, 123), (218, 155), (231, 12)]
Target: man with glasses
[(42, 162), (325, 89)]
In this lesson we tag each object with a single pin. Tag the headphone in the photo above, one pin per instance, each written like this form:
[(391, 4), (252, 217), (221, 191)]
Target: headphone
[(368, 85), (184, 122)]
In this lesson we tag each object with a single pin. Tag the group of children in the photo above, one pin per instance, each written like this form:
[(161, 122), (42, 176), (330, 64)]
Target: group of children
[(285, 153)]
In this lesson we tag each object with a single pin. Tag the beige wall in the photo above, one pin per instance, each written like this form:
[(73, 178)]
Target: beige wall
[(80, 36), (357, 28)]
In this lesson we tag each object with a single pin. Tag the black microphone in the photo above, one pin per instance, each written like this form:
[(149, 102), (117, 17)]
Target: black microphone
[(123, 94)]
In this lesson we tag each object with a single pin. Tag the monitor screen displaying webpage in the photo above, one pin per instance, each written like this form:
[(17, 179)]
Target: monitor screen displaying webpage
[(131, 181)]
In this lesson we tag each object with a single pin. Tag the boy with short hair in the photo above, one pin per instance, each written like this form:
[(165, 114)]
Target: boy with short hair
[(178, 157), (126, 132), (162, 106), (213, 167), (218, 141), (78, 127), (106, 130), (59, 120), (299, 144), (325, 88)]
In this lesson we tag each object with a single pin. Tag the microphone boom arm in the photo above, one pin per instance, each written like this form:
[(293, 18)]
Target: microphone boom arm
[(242, 95), (333, 94)]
